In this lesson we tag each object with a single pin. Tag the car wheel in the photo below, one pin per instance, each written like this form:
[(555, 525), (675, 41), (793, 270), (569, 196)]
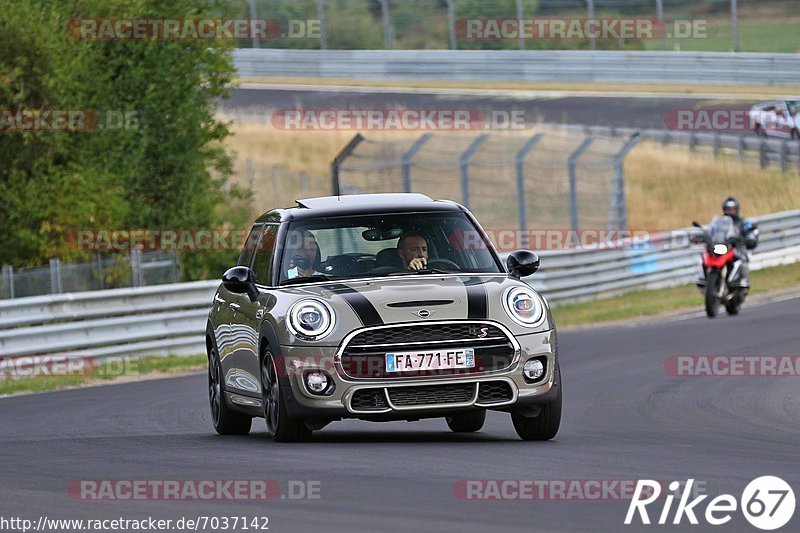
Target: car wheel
[(546, 424), (467, 422), (226, 421), (279, 426)]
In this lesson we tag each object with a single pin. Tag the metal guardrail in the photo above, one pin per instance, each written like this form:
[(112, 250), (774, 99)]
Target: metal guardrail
[(170, 319), (524, 66)]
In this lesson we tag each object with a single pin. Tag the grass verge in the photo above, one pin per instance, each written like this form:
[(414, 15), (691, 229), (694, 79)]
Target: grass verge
[(117, 370), (754, 91), (642, 304)]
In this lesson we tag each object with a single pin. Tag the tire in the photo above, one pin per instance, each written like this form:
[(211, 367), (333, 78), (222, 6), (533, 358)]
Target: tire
[(713, 279), (226, 421), (545, 426), (734, 306), (279, 426), (466, 422)]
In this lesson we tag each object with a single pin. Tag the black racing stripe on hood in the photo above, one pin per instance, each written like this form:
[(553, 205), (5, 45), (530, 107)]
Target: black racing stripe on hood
[(477, 304), (366, 312)]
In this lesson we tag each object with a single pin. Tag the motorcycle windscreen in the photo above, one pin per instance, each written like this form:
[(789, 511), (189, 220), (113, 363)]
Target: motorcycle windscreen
[(722, 229)]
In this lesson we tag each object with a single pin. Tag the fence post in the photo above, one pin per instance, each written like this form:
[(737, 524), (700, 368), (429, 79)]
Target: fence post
[(519, 23), (762, 154), (692, 141), (573, 181), (741, 148), (464, 164), (323, 29), (735, 24), (136, 267), (253, 17), (784, 155), (276, 186), (387, 25), (451, 22), (715, 144), (661, 27), (339, 159), (520, 164), (55, 276), (590, 10), (408, 156), (619, 204), (8, 275), (98, 263), (303, 184)]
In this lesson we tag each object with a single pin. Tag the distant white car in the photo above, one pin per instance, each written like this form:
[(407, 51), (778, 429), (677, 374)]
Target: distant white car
[(780, 118)]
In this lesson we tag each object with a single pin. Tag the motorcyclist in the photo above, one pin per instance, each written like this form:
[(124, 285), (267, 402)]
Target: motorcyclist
[(749, 240)]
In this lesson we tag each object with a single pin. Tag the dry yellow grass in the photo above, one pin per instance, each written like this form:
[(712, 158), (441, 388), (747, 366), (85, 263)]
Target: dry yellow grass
[(667, 187)]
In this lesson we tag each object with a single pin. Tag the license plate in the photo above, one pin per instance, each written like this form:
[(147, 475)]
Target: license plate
[(431, 360)]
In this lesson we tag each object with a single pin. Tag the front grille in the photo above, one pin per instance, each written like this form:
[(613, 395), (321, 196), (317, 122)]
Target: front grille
[(364, 357), (490, 392), (369, 400), (427, 333), (432, 394)]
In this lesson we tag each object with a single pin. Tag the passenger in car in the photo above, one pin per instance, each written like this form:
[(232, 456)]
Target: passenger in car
[(413, 250)]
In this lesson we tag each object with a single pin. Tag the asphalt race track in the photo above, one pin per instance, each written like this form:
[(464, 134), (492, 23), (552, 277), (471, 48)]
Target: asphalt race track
[(625, 418), (630, 110)]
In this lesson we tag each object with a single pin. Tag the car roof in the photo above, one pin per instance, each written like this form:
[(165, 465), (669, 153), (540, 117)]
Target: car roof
[(359, 204)]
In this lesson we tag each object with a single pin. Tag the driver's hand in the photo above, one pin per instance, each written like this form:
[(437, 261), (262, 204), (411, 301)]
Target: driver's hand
[(418, 263)]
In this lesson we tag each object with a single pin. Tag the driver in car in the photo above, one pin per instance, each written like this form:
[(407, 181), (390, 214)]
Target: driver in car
[(303, 253), (413, 250)]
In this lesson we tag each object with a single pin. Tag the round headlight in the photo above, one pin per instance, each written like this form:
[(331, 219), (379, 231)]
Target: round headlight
[(524, 306), (720, 249), (310, 319)]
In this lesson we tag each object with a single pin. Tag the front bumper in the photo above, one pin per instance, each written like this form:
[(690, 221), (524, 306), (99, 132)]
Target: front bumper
[(418, 397)]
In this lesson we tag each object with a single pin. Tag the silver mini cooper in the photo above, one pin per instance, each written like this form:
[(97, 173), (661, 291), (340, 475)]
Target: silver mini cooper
[(379, 307)]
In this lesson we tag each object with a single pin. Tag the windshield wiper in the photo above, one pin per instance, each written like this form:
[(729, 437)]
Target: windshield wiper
[(422, 271), (308, 279)]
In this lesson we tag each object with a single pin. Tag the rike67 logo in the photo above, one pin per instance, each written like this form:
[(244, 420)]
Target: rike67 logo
[(767, 503)]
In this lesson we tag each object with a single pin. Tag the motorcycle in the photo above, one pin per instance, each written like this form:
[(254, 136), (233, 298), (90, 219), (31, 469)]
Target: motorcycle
[(722, 265)]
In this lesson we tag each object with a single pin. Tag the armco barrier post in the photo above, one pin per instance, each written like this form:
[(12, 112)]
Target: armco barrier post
[(136, 267), (520, 167), (573, 181), (464, 164), (323, 29), (408, 156)]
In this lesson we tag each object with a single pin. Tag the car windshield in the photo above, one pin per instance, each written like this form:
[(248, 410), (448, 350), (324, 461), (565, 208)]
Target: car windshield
[(384, 245)]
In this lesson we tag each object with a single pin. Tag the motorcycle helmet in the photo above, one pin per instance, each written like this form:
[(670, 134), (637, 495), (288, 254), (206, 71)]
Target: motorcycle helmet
[(730, 207)]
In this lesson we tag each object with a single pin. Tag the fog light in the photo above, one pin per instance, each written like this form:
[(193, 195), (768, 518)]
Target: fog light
[(318, 382), (533, 369)]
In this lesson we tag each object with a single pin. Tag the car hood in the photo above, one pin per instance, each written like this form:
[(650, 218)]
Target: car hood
[(374, 302)]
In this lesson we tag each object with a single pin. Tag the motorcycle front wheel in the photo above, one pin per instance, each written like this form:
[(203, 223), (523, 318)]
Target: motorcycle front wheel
[(712, 293)]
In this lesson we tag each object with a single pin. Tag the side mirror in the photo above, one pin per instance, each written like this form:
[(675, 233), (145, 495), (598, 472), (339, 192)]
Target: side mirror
[(241, 280), (522, 263)]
